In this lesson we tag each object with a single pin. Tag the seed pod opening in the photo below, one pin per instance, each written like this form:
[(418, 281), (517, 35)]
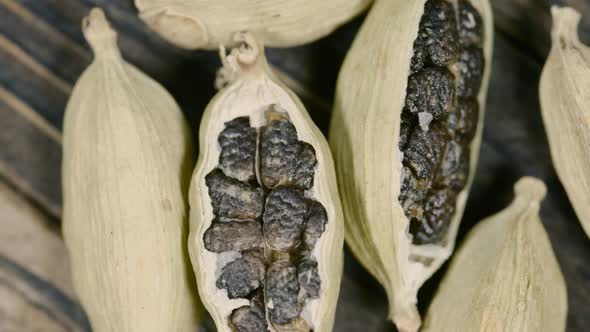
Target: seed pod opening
[(405, 133), (127, 160), (565, 98), (505, 276), (266, 221), (278, 23)]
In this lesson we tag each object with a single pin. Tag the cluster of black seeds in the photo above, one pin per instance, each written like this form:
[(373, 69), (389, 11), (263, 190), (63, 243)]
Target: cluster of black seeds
[(266, 217), (440, 116)]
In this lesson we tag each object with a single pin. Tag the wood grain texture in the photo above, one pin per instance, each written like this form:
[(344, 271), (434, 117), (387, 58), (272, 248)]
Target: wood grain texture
[(35, 286), (42, 52), (30, 153)]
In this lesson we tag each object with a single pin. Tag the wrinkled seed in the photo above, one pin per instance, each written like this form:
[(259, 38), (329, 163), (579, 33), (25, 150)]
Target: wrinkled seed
[(244, 275), (284, 218), (231, 198), (233, 236), (281, 290), (238, 149), (309, 278)]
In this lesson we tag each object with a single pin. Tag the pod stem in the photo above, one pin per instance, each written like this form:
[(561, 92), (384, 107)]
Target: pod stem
[(242, 58), (99, 34), (565, 24)]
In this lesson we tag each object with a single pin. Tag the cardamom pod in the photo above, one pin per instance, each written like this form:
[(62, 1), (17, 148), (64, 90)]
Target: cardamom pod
[(405, 134), (279, 23), (505, 276), (266, 221), (127, 159), (565, 97)]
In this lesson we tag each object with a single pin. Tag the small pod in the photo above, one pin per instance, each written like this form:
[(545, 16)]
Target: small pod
[(127, 160), (405, 134), (266, 221), (565, 102), (195, 24), (505, 276)]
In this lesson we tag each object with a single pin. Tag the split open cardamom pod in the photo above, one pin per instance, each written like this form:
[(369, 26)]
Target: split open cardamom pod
[(266, 221), (127, 160), (279, 23), (565, 102), (505, 276), (405, 134)]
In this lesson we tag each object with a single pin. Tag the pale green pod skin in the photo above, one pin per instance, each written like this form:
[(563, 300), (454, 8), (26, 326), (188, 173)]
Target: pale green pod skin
[(505, 276), (252, 87), (565, 100), (196, 24), (127, 158), (364, 138)]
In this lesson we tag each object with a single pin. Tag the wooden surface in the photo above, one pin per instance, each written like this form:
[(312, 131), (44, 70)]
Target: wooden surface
[(42, 52)]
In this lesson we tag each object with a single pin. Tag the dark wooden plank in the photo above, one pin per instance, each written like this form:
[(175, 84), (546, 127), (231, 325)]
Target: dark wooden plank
[(31, 153), (30, 81), (35, 285), (52, 49)]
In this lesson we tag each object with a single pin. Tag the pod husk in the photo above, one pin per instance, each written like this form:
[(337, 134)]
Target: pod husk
[(252, 87), (127, 158), (505, 276), (278, 23), (565, 101), (364, 138)]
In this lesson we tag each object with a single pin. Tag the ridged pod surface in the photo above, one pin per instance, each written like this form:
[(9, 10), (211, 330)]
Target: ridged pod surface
[(409, 62), (127, 158), (565, 102), (505, 276), (266, 221), (278, 23)]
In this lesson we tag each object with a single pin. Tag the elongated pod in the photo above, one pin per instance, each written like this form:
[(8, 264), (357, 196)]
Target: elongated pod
[(266, 221), (127, 157), (505, 276), (278, 23), (565, 102), (405, 134)]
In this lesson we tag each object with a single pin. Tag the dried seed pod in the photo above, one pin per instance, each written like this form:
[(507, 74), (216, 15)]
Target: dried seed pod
[(565, 98), (279, 23), (405, 134), (127, 158), (302, 231), (505, 276)]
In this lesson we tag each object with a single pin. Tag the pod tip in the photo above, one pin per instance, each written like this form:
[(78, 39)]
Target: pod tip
[(406, 319), (98, 31), (530, 188)]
